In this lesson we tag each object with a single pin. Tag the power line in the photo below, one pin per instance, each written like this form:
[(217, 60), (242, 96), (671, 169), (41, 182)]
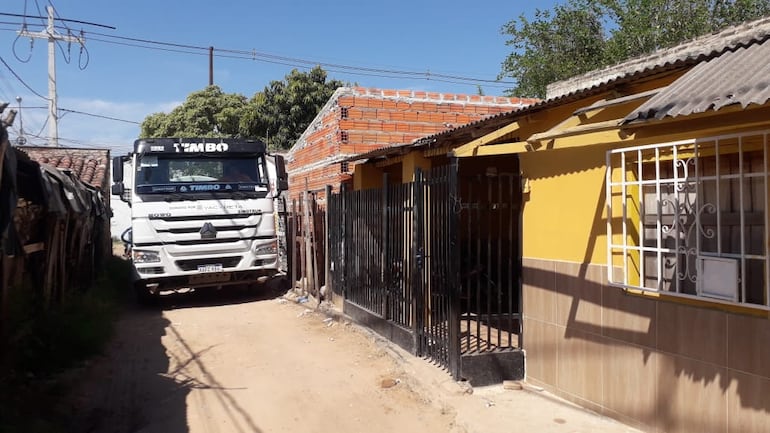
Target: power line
[(21, 80), (296, 61), (126, 44), (60, 19), (62, 109), (290, 61), (99, 116), (53, 37)]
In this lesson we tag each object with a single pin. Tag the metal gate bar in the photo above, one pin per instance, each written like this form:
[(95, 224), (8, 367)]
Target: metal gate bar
[(398, 258), (439, 334), (490, 300), (438, 263)]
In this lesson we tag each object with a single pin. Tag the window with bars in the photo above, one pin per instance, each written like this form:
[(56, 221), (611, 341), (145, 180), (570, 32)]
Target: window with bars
[(689, 218)]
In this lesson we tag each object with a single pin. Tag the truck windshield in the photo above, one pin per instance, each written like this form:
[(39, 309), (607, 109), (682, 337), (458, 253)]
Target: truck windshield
[(158, 170)]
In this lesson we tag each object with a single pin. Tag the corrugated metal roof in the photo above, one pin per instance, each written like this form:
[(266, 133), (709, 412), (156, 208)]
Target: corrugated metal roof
[(491, 123), (736, 77), (743, 40), (697, 50), (380, 152)]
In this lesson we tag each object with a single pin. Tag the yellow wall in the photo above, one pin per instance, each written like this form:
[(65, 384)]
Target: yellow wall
[(366, 176), (411, 161), (564, 214)]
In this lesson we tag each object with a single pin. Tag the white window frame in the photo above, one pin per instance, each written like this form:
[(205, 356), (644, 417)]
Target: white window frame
[(686, 181)]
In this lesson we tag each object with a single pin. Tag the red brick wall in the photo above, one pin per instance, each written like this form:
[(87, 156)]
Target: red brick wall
[(361, 120)]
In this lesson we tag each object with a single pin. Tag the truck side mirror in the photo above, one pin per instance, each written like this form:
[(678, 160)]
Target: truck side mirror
[(117, 170), (121, 191), (117, 189), (280, 173)]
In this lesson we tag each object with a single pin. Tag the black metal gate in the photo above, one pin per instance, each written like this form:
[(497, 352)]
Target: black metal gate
[(437, 297), (434, 267)]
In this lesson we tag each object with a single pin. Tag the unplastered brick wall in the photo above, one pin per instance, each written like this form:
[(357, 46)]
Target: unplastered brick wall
[(357, 120)]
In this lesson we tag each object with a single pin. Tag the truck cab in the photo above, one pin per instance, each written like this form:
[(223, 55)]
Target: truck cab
[(202, 212)]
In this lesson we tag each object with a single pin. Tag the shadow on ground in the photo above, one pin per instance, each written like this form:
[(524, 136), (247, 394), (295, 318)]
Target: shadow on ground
[(130, 387), (210, 297)]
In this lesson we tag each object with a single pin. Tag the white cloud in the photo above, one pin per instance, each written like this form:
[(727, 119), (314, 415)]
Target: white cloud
[(89, 130)]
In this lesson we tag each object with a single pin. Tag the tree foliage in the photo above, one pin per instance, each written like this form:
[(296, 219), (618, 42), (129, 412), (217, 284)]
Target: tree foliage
[(555, 44), (283, 110), (206, 113), (582, 35), (278, 115)]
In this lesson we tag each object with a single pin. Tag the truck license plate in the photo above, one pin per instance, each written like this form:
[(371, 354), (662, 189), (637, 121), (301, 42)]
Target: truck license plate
[(210, 268)]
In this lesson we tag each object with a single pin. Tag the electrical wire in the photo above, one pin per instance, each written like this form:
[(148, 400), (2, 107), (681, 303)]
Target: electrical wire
[(63, 109), (100, 116), (81, 65), (21, 80), (147, 47), (297, 62), (91, 145), (251, 55), (18, 36)]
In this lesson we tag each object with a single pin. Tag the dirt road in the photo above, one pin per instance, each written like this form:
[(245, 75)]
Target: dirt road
[(248, 365)]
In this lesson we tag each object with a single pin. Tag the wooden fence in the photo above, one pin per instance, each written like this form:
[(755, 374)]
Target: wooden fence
[(53, 234)]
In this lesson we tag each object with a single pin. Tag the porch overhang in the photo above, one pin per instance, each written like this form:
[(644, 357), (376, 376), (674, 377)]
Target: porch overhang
[(596, 122)]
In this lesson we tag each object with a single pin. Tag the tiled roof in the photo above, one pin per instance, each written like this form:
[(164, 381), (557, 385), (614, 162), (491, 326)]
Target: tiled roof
[(89, 165), (695, 51)]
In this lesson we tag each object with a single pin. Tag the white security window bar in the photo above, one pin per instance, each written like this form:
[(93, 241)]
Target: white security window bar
[(690, 218)]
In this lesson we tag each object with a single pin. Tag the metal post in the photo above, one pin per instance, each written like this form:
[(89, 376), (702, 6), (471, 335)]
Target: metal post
[(20, 140), (327, 274), (418, 295), (294, 262), (53, 119), (308, 247), (211, 66), (314, 248), (385, 271), (455, 362), (342, 266)]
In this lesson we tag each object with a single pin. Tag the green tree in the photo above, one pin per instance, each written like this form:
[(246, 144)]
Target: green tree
[(582, 35), (206, 113), (643, 26), (555, 44), (284, 109), (278, 115)]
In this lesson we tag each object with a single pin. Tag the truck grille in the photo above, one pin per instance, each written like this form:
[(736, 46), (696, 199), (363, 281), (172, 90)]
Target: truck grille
[(192, 265)]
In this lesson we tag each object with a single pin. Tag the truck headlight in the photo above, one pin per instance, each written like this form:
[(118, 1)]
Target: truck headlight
[(145, 256), (271, 248)]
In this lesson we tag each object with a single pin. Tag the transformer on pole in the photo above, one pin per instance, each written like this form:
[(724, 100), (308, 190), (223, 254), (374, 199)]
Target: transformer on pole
[(53, 37)]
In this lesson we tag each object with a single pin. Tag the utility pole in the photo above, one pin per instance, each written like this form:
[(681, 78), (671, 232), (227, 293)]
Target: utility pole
[(211, 66), (53, 37), (20, 140)]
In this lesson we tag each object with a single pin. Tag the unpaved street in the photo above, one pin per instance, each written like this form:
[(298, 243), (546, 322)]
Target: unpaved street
[(248, 365)]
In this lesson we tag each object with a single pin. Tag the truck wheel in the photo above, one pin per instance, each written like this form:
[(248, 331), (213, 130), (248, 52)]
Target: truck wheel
[(143, 296)]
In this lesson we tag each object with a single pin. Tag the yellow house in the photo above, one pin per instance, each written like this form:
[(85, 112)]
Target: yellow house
[(643, 232)]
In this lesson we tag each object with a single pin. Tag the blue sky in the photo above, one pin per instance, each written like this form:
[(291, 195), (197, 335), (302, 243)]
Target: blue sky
[(126, 82)]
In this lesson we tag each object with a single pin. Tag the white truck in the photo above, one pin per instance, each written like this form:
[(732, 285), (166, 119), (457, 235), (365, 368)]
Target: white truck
[(202, 212)]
